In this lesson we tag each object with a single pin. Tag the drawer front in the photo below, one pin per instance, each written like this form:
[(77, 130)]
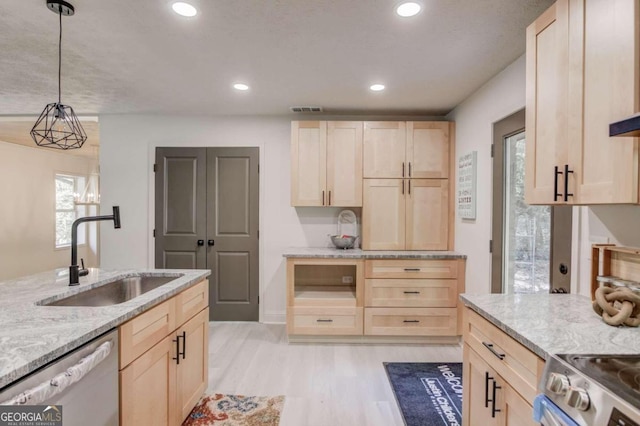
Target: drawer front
[(144, 331), (418, 293), (409, 268), (410, 321), (324, 321), (520, 367), (191, 301)]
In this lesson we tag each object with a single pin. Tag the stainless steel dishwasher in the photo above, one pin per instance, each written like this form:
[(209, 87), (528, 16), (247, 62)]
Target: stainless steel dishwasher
[(84, 382)]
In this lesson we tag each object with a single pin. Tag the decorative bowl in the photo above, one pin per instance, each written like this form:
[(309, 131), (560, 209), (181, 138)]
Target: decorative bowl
[(343, 241)]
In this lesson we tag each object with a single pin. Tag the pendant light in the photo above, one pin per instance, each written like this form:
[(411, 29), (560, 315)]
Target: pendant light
[(58, 126)]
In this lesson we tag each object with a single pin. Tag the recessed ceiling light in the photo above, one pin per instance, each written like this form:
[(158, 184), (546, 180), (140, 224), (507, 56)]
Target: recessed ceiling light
[(408, 9), (241, 86), (184, 9), (377, 87)]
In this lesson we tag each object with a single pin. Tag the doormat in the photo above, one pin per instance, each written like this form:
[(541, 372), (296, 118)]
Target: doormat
[(236, 410), (428, 394)]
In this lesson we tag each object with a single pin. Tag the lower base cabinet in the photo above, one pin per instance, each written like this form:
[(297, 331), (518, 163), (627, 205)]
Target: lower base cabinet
[(162, 385)]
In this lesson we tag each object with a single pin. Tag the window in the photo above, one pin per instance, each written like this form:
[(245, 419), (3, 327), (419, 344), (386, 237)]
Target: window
[(67, 189)]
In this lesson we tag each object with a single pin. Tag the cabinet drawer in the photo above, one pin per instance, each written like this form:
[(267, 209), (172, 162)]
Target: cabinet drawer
[(418, 293), (520, 367), (408, 268), (191, 301), (323, 320), (410, 321), (142, 332)]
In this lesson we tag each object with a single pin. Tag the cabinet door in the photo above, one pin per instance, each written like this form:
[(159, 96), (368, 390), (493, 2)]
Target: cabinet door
[(516, 412), (192, 378), (606, 33), (547, 101), (344, 163), (308, 163), (428, 149), (478, 378), (427, 224), (148, 387), (383, 214), (384, 149)]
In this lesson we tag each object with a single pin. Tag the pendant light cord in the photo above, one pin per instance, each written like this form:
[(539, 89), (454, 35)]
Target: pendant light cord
[(59, 55)]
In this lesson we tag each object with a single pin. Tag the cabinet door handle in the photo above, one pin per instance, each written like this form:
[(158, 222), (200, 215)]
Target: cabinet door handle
[(486, 389), (402, 186), (177, 342), (323, 198), (409, 168), (403, 169), (409, 182), (567, 194), (324, 320), (414, 321), (329, 203), (412, 269), (184, 344), (555, 184), (411, 292), (494, 410), (493, 351)]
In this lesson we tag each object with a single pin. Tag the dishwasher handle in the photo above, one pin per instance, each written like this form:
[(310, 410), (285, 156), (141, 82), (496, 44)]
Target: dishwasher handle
[(62, 381)]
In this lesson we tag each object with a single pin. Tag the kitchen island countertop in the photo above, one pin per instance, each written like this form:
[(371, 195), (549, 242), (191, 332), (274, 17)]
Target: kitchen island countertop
[(550, 324), (334, 253), (32, 335)]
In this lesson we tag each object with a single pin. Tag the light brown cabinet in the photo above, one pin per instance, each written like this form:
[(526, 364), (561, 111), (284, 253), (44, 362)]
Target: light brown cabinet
[(405, 214), (326, 163), (164, 373), (583, 73), (500, 375)]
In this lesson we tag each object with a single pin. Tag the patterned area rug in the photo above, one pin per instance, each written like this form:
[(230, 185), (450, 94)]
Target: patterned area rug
[(428, 394), (236, 410)]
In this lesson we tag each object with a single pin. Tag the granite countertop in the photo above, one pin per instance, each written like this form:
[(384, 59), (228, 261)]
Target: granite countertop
[(33, 335), (550, 324), (334, 253)]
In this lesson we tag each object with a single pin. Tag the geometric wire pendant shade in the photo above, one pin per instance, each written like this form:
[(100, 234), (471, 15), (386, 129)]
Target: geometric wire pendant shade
[(58, 126)]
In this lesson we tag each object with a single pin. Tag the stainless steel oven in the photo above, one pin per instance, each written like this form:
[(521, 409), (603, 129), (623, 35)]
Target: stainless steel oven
[(590, 390)]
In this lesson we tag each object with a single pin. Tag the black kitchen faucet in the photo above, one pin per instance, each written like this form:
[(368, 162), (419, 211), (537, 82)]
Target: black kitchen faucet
[(74, 270)]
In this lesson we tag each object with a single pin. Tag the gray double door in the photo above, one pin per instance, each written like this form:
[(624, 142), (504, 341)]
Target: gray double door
[(207, 218)]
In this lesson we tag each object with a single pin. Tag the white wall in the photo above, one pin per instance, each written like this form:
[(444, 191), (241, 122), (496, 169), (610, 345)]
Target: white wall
[(127, 153), (27, 210), (500, 97)]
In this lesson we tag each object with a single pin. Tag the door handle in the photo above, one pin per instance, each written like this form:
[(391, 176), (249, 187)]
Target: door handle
[(486, 389), (402, 186), (329, 198), (184, 344), (555, 184), (409, 182), (323, 198), (177, 357), (409, 168), (200, 242), (494, 410), (403, 169), (567, 194), (211, 242)]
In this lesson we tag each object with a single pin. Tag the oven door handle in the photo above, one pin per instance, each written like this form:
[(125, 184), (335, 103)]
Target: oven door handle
[(62, 381), (547, 413)]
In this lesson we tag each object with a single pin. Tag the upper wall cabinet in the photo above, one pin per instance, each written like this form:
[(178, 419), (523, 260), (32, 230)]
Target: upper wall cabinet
[(326, 163), (583, 73), (398, 149)]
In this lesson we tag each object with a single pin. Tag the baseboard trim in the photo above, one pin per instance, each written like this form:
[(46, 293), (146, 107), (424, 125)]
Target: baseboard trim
[(421, 340), (274, 318)]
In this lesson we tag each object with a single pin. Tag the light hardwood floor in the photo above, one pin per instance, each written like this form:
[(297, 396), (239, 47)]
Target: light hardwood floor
[(324, 384)]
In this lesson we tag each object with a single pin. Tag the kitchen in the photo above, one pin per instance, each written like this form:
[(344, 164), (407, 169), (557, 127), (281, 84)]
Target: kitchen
[(128, 143)]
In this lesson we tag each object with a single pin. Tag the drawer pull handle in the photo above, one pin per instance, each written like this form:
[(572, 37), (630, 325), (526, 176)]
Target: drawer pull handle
[(412, 269), (411, 321), (493, 351), (324, 320), (411, 292)]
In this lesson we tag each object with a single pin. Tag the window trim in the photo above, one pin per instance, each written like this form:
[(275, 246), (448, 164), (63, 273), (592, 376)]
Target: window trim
[(79, 211)]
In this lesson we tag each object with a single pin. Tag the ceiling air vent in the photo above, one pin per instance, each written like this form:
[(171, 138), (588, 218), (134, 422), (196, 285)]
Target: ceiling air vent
[(306, 109)]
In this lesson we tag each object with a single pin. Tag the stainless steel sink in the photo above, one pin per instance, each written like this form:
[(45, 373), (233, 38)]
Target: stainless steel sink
[(114, 292)]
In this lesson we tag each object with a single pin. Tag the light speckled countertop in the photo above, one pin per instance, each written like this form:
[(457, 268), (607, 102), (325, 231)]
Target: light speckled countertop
[(334, 253), (33, 335), (551, 324)]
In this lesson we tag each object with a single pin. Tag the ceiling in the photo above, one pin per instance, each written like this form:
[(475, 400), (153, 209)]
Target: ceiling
[(139, 57), (17, 130)]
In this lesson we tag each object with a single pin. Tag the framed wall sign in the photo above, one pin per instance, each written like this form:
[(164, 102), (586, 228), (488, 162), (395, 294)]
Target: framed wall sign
[(466, 194)]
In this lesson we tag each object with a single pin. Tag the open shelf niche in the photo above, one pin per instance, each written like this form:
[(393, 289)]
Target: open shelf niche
[(325, 285)]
